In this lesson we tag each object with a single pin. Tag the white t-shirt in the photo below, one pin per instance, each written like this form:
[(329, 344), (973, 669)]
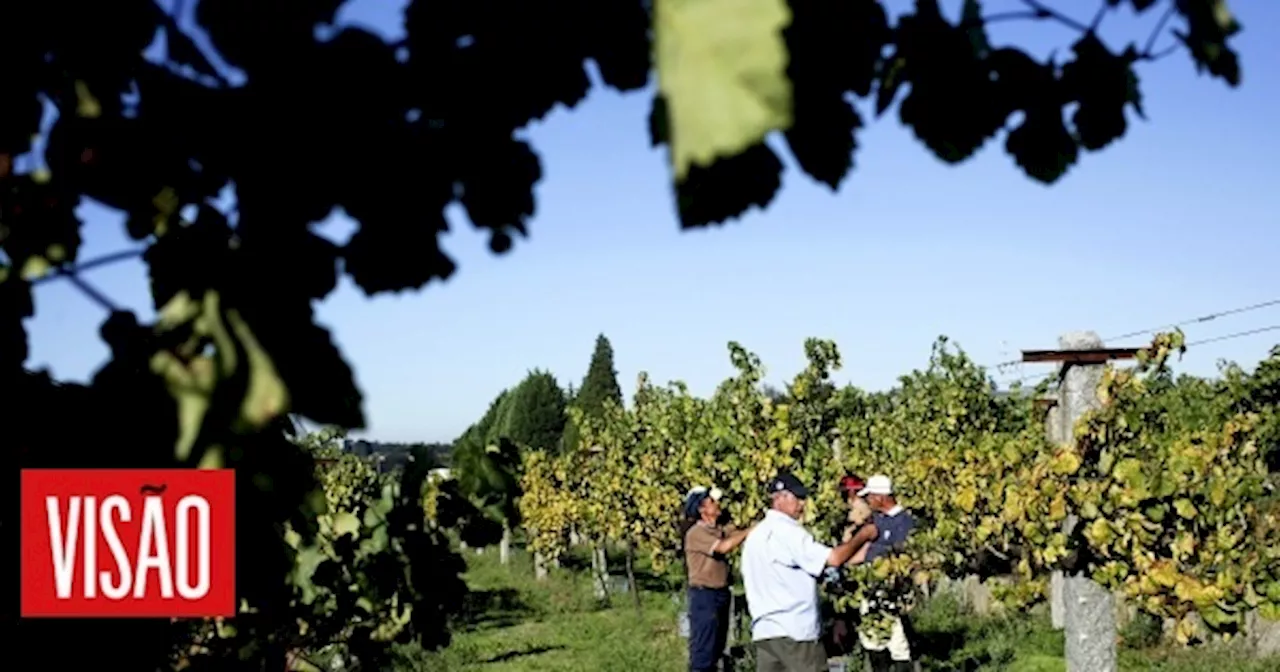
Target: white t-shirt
[(781, 564)]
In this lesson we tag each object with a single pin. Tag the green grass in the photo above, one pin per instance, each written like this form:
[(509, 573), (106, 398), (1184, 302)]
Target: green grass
[(513, 624), (954, 641)]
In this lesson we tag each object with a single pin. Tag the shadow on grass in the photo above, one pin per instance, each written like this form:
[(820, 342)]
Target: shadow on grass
[(531, 651), (497, 608)]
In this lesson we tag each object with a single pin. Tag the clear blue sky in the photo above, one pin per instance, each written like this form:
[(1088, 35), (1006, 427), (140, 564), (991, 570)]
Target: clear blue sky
[(1179, 219)]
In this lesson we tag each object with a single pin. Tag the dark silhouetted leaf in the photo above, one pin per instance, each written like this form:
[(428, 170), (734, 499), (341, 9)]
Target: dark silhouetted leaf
[(40, 229), (729, 187), (498, 190), (249, 33), (1209, 25), (195, 258), (15, 306), (953, 106), (852, 32), (389, 256), (321, 384), (1042, 146), (1102, 83), (618, 37), (822, 137)]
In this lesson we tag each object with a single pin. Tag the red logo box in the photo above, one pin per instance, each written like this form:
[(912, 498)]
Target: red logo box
[(160, 543)]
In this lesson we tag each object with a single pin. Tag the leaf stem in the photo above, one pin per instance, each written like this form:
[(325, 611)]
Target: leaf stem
[(1162, 53), (1045, 12), (1155, 33)]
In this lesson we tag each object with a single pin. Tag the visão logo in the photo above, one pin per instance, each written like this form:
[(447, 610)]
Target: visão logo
[(128, 543)]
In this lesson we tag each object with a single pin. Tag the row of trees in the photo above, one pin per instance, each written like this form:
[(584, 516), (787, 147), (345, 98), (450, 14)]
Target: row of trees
[(536, 416), (1168, 479)]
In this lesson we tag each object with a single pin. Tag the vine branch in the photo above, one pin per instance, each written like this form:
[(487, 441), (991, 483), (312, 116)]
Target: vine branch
[(94, 294), (1155, 35), (1097, 18), (170, 21), (1013, 16), (96, 262)]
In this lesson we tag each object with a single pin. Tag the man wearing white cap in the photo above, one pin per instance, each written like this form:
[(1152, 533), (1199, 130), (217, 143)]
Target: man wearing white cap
[(893, 524)]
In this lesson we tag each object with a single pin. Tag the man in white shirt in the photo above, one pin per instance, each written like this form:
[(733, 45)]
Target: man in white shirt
[(781, 565)]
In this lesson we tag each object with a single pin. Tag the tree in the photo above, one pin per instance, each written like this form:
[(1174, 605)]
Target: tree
[(293, 124), (601, 381), (486, 464), (598, 386), (535, 419)]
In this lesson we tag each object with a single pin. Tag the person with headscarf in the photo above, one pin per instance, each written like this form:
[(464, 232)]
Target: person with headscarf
[(707, 543), (859, 509), (844, 625)]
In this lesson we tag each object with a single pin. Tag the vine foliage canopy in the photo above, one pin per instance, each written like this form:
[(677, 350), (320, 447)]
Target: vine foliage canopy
[(296, 122)]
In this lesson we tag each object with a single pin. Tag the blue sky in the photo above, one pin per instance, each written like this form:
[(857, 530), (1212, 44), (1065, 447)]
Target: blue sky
[(1177, 220)]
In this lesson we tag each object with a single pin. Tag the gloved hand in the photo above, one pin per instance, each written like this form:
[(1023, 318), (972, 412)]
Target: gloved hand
[(831, 580), (859, 511)]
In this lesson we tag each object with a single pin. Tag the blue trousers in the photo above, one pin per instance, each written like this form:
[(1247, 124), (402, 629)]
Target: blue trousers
[(708, 627)]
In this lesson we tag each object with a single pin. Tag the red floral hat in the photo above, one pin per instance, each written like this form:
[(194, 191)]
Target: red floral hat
[(851, 483)]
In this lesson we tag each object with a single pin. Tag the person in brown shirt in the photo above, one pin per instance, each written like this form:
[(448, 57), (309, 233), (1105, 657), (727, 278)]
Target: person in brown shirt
[(706, 544)]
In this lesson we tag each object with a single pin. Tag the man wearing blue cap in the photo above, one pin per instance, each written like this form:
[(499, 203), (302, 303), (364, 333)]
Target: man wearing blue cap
[(781, 566), (706, 543)]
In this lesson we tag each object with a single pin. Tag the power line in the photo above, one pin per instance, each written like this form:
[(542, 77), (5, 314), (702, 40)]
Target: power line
[(1203, 341), (1194, 320), (1198, 320), (1239, 334)]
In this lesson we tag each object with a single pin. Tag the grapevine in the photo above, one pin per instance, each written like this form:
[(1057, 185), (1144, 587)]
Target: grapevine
[(1175, 508)]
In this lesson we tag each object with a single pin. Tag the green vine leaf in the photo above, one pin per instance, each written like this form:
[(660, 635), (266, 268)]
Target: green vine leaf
[(724, 82)]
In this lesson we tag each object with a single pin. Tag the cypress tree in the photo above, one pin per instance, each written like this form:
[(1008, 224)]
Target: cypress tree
[(600, 383)]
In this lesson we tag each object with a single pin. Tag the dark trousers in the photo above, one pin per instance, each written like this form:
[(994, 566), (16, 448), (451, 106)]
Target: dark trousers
[(708, 627), (787, 655), (882, 662)]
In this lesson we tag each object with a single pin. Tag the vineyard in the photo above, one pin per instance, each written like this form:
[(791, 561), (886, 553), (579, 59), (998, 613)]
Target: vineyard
[(1168, 479)]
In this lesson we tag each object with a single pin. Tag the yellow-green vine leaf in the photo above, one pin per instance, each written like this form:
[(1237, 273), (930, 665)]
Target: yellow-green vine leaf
[(722, 69)]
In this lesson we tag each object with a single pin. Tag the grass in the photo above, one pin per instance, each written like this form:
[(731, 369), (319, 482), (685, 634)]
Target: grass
[(513, 624), (952, 640)]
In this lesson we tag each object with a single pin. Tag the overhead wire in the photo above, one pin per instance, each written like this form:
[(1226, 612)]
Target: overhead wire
[(1198, 320), (1238, 334), (1195, 320), (1203, 341)]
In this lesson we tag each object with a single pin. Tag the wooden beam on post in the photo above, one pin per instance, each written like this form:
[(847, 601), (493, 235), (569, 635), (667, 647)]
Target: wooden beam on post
[(1090, 356)]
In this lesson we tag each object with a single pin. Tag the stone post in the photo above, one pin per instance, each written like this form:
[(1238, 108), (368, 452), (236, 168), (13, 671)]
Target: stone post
[(1089, 608)]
